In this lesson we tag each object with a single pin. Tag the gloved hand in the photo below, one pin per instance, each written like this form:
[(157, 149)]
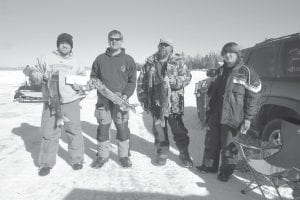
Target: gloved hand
[(124, 97), (91, 85), (245, 126)]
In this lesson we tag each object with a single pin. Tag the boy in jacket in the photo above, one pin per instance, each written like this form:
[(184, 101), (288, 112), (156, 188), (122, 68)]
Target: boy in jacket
[(234, 93)]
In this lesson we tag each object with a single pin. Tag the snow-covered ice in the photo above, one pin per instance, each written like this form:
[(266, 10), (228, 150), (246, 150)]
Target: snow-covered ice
[(20, 142)]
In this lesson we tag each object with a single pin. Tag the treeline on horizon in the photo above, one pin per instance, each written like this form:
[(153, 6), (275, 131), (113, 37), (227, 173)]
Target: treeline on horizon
[(209, 61)]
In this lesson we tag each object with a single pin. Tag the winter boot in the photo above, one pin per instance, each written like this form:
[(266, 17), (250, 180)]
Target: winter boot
[(186, 160), (44, 171), (223, 177), (77, 166), (161, 159), (125, 162), (99, 162), (204, 169)]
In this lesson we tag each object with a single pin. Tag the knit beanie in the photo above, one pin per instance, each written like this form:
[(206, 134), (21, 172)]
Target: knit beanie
[(231, 47), (65, 37)]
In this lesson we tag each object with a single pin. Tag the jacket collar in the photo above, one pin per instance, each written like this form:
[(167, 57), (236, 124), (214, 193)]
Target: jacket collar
[(236, 67), (108, 52), (63, 57)]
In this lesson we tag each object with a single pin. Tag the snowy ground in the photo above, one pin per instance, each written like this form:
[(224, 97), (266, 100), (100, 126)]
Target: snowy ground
[(19, 147)]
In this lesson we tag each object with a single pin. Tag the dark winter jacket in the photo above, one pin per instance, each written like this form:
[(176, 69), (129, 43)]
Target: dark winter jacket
[(118, 73), (179, 77), (241, 95)]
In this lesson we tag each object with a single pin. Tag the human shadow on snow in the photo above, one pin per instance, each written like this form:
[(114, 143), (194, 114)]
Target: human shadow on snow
[(141, 145), (32, 137), (137, 143), (90, 146), (192, 123), (196, 148), (78, 194)]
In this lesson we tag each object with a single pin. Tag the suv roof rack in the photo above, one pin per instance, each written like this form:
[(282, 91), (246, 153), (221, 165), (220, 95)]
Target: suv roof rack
[(276, 39)]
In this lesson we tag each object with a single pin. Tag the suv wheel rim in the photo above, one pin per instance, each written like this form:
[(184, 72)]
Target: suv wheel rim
[(275, 137)]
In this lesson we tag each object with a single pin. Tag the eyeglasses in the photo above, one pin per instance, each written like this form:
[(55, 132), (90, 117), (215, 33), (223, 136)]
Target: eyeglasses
[(115, 39)]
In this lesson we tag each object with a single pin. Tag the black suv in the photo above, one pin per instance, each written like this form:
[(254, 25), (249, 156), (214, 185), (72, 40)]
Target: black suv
[(277, 62)]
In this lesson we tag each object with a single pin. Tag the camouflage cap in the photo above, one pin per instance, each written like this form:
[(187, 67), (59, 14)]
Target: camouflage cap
[(166, 41)]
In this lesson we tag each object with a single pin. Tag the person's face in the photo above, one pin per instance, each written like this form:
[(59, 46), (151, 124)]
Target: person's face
[(115, 42), (230, 58), (164, 50), (64, 48)]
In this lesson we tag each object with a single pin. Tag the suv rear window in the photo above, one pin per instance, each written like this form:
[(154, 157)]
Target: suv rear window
[(262, 60), (291, 58)]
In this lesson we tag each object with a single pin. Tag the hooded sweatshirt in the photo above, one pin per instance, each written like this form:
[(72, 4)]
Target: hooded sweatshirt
[(65, 65), (118, 73)]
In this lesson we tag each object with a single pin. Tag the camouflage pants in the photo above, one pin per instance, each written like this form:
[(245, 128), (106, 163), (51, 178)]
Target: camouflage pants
[(180, 134), (219, 139), (51, 134)]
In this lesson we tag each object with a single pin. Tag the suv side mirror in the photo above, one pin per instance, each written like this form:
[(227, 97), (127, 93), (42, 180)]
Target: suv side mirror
[(210, 72)]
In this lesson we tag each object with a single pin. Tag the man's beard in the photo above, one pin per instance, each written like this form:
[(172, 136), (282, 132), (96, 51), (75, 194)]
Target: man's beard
[(163, 54)]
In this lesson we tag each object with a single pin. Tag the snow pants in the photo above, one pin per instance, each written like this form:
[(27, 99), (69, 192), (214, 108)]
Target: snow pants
[(51, 134), (105, 114), (180, 134), (219, 139)]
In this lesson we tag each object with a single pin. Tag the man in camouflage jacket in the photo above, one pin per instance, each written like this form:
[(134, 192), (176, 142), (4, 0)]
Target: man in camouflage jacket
[(160, 91)]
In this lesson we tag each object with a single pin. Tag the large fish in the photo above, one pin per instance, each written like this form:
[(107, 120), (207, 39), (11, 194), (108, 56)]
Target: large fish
[(165, 95), (112, 96), (160, 95), (55, 104)]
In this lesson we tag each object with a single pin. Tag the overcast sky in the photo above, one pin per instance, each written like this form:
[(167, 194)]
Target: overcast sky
[(29, 28)]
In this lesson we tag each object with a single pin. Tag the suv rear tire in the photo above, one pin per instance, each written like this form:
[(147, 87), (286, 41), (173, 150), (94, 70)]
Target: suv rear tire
[(272, 132)]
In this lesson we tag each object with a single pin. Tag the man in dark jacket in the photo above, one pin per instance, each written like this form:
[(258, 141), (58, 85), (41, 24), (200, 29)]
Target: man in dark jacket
[(160, 90), (233, 93), (117, 71)]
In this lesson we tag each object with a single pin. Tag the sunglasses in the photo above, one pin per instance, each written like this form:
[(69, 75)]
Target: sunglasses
[(115, 39), (164, 44)]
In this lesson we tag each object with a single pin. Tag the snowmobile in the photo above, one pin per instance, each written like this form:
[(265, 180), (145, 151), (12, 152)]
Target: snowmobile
[(28, 94)]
